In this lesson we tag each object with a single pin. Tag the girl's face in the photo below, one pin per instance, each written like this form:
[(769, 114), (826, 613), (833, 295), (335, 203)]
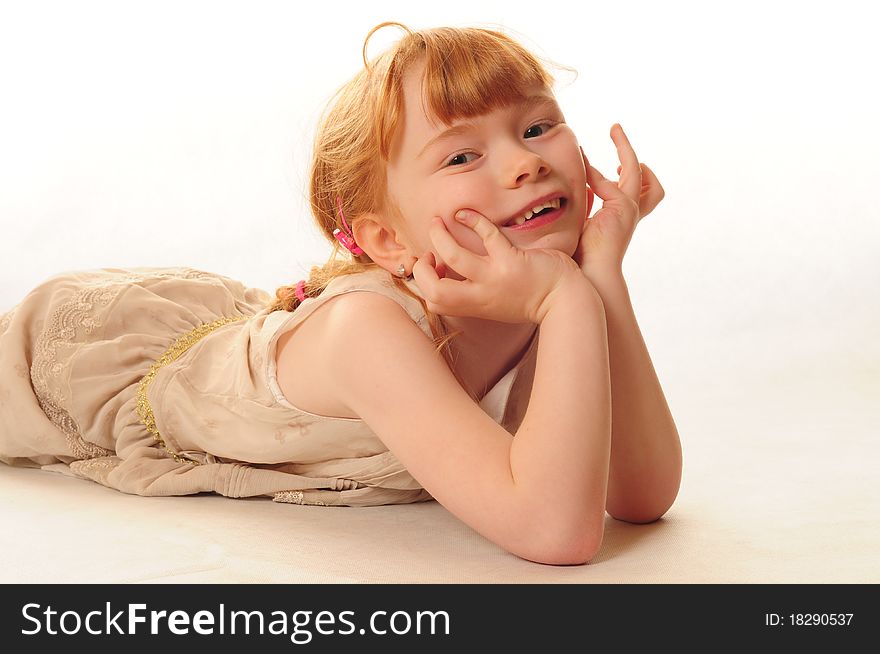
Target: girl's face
[(499, 164)]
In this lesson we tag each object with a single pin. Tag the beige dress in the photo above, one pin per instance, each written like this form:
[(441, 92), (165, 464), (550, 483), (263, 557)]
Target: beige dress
[(161, 381)]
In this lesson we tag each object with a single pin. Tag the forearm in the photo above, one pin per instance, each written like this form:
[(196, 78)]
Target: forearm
[(560, 455), (646, 461)]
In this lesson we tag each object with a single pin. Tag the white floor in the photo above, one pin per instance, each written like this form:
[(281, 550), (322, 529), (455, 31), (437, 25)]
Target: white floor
[(780, 485)]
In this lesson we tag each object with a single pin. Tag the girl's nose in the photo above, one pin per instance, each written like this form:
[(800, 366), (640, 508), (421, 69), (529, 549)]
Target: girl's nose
[(523, 165)]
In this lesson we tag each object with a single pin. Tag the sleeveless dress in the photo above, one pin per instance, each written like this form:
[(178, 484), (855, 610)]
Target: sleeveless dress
[(162, 381)]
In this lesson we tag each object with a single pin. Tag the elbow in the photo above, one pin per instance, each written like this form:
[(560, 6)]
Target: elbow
[(570, 545), (637, 517), (578, 553), (641, 513), (574, 551), (648, 505)]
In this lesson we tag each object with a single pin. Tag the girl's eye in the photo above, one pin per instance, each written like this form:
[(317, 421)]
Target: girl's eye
[(547, 126), (461, 158)]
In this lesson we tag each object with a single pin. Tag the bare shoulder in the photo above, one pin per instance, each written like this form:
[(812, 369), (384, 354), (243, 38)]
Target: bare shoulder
[(354, 327), (302, 354), (386, 371), (359, 329)]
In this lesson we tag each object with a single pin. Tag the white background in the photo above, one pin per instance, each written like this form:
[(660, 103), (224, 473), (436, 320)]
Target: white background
[(179, 133)]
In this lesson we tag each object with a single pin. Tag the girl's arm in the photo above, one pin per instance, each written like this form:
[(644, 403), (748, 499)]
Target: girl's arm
[(560, 456), (646, 460), (645, 450), (540, 495)]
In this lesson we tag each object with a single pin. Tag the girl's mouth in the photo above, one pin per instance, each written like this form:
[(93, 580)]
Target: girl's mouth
[(536, 220)]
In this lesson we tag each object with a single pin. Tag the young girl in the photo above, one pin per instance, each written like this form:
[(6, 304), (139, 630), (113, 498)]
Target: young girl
[(474, 344)]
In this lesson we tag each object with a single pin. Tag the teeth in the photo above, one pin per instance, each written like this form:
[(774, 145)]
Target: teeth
[(550, 204)]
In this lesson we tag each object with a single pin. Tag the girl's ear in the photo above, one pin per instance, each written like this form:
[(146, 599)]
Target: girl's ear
[(379, 241)]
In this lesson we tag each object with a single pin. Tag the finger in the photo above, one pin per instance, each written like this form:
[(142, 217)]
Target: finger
[(424, 272), (440, 294), (630, 175), (463, 261), (652, 191), (495, 242), (604, 188), (650, 180)]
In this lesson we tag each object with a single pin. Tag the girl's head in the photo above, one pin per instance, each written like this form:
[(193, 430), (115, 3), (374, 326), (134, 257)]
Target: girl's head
[(378, 147), (384, 148)]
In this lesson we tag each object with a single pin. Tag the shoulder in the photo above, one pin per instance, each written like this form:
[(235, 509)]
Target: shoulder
[(388, 371), (379, 283), (337, 327), (359, 318), (362, 330), (385, 370)]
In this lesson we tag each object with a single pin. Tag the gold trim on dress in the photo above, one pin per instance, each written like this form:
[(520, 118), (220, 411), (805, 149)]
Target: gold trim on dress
[(181, 345)]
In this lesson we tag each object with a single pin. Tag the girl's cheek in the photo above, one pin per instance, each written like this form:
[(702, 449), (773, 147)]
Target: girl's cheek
[(466, 237), (466, 191)]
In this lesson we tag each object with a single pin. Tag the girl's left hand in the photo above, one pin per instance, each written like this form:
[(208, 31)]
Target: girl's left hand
[(606, 235)]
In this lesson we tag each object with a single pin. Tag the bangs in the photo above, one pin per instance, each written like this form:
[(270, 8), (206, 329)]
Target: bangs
[(473, 76), (468, 72)]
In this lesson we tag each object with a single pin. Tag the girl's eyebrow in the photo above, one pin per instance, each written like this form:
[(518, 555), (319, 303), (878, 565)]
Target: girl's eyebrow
[(456, 130), (464, 127)]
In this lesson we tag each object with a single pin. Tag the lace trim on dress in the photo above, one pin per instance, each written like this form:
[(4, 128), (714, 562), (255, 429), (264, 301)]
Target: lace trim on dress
[(97, 469), (289, 497), (294, 497), (60, 331), (80, 312), (298, 497)]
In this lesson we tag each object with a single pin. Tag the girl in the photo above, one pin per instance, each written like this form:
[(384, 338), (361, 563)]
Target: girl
[(474, 345)]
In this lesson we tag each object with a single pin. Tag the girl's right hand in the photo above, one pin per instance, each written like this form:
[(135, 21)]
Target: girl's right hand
[(509, 284)]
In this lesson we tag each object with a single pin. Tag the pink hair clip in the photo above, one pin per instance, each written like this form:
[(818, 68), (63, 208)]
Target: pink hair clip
[(301, 290), (346, 238)]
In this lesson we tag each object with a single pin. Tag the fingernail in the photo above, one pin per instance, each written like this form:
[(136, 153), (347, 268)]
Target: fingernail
[(461, 215)]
